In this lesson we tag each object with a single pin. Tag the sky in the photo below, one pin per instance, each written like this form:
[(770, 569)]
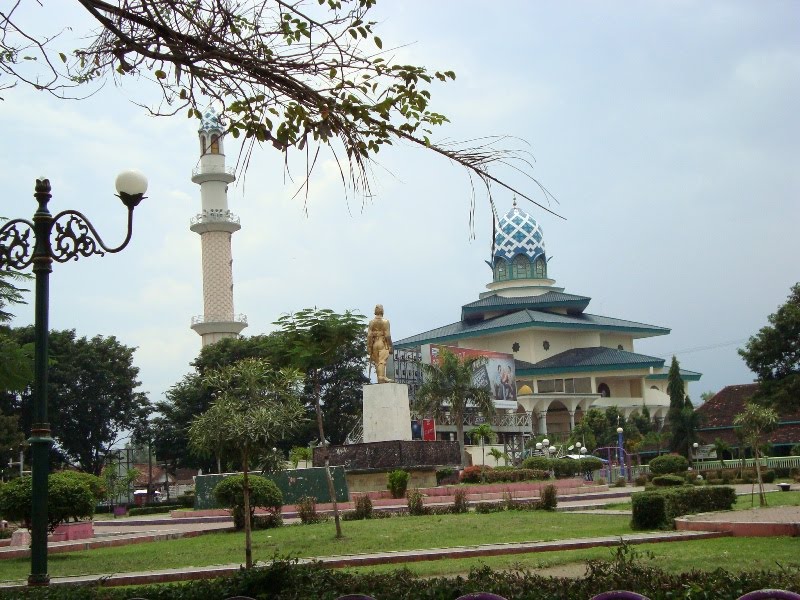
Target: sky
[(667, 131)]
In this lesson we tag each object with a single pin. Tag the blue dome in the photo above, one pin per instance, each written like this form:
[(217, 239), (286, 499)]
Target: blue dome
[(519, 247), (210, 121)]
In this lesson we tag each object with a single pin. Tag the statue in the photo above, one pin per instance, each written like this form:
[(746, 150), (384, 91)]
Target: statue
[(379, 344)]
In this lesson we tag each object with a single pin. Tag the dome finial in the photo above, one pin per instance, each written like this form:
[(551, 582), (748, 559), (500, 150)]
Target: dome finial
[(514, 203)]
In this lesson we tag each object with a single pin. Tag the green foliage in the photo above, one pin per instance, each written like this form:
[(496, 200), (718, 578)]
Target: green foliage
[(446, 475), (263, 494), (69, 496), (94, 379), (753, 425), (668, 480), (398, 482), (773, 356), (656, 509), (307, 510), (668, 463), (539, 463), (549, 497), (448, 387), (474, 473), (298, 453), (138, 511), (563, 467), (416, 505)]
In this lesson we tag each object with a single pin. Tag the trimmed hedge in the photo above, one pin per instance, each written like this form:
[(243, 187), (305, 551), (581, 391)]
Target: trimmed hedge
[(69, 496), (138, 511), (656, 509), (563, 467), (502, 475), (668, 464), (668, 480)]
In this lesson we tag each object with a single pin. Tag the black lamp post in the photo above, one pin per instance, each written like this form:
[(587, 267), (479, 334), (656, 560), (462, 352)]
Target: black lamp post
[(66, 236)]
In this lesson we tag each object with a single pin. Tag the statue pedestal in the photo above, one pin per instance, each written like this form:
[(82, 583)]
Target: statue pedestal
[(386, 413)]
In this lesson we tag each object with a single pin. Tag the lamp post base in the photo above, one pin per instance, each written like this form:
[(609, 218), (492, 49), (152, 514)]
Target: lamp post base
[(38, 580)]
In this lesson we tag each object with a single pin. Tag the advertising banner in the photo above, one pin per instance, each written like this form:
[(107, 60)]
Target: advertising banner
[(428, 430), (496, 373)]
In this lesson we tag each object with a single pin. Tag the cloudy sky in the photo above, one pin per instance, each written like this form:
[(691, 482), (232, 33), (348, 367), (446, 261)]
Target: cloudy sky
[(668, 131)]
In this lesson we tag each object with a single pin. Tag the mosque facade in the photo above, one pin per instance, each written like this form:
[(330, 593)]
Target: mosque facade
[(566, 360)]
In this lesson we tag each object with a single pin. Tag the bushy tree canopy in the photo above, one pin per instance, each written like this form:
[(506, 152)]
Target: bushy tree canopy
[(773, 354)]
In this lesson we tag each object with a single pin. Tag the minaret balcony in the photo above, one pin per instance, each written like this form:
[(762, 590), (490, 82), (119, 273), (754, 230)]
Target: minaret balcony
[(213, 172), (215, 220), (205, 324)]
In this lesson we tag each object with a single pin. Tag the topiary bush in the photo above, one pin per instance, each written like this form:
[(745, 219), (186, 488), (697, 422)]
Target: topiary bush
[(416, 506), (363, 508), (474, 473), (263, 494), (398, 483), (668, 464), (656, 509), (69, 496), (537, 463), (668, 480), (460, 504), (307, 510)]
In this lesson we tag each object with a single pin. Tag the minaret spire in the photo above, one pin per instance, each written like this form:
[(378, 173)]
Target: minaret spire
[(215, 224)]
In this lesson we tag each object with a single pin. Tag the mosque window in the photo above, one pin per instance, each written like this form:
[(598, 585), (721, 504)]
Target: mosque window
[(500, 269), (522, 267), (604, 390), (202, 144), (214, 144), (540, 268)]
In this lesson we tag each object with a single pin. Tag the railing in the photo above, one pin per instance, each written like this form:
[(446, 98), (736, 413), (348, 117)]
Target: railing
[(213, 169), (517, 420), (196, 320), (215, 216)]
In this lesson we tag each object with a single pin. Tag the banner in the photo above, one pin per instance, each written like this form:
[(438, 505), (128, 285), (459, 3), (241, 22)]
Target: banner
[(496, 374), (428, 430)]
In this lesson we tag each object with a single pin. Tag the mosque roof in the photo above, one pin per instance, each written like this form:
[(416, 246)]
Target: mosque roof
[(526, 319), (211, 121), (590, 359), (518, 233), (495, 303)]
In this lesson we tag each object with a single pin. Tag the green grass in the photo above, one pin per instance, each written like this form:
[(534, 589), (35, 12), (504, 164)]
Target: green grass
[(377, 535), (732, 554), (742, 502)]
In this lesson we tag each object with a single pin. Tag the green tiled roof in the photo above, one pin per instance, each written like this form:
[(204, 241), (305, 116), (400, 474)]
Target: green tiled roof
[(686, 375), (591, 359), (525, 319), (496, 303)]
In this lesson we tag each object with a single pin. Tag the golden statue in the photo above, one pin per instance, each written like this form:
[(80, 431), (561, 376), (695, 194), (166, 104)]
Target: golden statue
[(379, 344)]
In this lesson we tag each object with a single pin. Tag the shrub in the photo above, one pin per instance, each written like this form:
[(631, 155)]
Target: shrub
[(549, 497), (668, 463), (363, 507), (620, 482), (657, 508), (95, 484), (416, 507), (398, 483), (138, 511), (668, 480), (474, 474), (263, 494), (307, 510), (768, 476), (69, 496), (484, 508), (460, 504), (640, 481), (268, 521), (537, 463), (186, 500), (511, 475), (446, 475)]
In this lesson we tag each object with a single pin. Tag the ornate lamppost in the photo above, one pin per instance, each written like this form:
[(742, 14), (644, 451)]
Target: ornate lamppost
[(621, 452), (66, 236)]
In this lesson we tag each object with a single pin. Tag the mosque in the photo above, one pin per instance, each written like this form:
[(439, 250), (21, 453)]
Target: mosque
[(565, 360)]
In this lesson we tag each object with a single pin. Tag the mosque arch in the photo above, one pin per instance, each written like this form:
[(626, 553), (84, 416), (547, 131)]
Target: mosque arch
[(500, 269), (604, 390), (540, 268), (521, 267), (214, 147)]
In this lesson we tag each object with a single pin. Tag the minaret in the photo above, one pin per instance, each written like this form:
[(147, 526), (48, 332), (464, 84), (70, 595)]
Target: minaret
[(215, 224)]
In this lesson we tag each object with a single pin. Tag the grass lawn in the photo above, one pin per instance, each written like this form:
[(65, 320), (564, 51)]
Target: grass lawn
[(732, 554), (376, 535)]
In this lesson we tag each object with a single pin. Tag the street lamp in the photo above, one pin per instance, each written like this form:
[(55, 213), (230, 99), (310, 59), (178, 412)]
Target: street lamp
[(694, 453), (66, 236), (620, 452)]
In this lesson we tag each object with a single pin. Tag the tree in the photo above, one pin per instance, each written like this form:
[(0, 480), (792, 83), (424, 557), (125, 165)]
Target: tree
[(677, 401), (16, 361), (773, 354), (481, 434), (92, 394), (706, 396), (755, 422), (299, 75), (316, 340), (448, 387), (497, 454), (255, 405)]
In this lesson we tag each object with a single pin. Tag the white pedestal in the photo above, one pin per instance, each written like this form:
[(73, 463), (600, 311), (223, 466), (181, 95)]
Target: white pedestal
[(386, 412)]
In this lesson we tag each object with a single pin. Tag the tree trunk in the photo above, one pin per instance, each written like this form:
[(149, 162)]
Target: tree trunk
[(762, 498), (248, 542), (328, 476), (459, 419)]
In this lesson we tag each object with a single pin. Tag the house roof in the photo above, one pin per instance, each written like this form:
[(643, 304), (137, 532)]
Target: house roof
[(526, 319), (492, 304), (590, 359), (718, 414)]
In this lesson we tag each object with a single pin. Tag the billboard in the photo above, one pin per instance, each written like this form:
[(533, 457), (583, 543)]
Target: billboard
[(496, 373)]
